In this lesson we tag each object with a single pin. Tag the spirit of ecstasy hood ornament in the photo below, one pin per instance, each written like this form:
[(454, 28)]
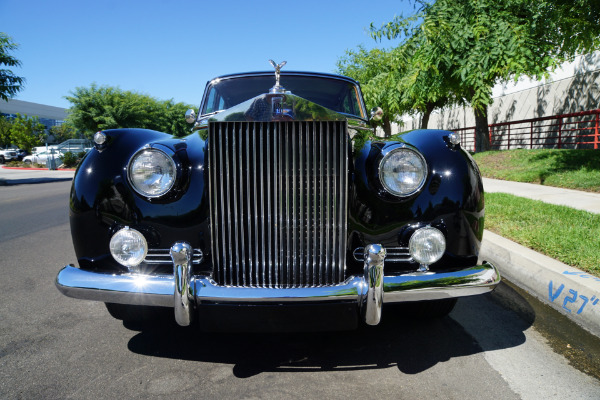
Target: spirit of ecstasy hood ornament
[(277, 88)]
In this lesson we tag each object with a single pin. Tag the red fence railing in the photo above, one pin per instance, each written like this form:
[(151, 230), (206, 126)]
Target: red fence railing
[(573, 131)]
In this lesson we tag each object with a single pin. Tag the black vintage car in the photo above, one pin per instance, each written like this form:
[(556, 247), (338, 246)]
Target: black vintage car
[(280, 208)]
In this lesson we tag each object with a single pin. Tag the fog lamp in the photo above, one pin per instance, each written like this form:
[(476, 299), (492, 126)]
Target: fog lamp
[(128, 247), (427, 245)]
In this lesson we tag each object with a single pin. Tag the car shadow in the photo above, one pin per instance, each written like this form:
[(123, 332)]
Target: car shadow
[(412, 346)]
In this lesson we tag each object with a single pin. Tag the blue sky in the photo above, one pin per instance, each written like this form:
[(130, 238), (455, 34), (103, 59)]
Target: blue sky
[(169, 49)]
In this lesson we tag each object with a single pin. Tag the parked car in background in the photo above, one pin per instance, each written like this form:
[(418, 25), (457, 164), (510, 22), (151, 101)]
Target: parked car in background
[(21, 154), (41, 157), (8, 155), (280, 208)]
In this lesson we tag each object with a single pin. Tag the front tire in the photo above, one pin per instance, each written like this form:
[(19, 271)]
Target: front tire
[(433, 309), (424, 310), (136, 314)]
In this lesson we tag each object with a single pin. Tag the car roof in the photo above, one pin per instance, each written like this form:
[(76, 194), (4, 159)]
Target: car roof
[(284, 73)]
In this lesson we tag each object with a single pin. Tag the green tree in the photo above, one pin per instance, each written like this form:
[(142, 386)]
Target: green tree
[(10, 84), (470, 45), (5, 126), (64, 132), (104, 107), (394, 80), (27, 132), (378, 72)]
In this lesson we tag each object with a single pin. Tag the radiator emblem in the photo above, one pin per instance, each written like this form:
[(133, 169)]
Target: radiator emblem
[(277, 88)]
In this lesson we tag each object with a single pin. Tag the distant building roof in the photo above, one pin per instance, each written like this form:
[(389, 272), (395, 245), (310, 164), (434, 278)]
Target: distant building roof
[(32, 109)]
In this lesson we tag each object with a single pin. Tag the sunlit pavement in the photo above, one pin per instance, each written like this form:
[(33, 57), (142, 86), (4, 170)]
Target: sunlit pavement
[(19, 176)]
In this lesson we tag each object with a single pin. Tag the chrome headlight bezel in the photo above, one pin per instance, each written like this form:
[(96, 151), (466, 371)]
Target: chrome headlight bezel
[(417, 160), (171, 174)]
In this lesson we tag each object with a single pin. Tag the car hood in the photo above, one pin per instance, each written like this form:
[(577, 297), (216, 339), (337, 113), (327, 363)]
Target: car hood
[(277, 107)]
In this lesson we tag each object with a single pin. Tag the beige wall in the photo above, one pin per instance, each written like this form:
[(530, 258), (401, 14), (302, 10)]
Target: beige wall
[(573, 88)]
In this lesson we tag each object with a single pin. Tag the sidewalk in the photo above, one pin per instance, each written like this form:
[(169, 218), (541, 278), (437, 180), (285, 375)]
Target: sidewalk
[(568, 290), (564, 197), (19, 176)]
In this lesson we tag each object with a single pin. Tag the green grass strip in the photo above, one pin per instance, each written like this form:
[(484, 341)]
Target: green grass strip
[(573, 169), (565, 234)]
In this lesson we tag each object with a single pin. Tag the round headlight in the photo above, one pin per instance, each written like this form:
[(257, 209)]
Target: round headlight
[(152, 172), (427, 245), (128, 247), (402, 171)]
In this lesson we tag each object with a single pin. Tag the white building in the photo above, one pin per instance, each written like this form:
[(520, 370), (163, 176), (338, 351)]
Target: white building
[(575, 87), (49, 116)]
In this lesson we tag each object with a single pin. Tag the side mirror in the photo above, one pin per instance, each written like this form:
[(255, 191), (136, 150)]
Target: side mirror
[(190, 116), (376, 114)]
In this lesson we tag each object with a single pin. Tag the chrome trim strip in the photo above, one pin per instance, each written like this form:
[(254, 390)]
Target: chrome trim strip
[(290, 204), (236, 219), (301, 189), (227, 210), (261, 170), (163, 256), (393, 254), (372, 302), (343, 223), (248, 202), (158, 290), (183, 294), (322, 266), (269, 260), (337, 191)]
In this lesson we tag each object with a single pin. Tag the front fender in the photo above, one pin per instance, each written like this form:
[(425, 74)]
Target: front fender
[(102, 200), (450, 200)]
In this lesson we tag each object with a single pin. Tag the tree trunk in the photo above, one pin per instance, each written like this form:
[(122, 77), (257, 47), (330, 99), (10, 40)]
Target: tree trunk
[(482, 133), (387, 127), (426, 115)]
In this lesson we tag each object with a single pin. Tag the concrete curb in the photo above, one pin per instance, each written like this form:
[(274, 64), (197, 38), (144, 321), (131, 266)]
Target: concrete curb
[(568, 290)]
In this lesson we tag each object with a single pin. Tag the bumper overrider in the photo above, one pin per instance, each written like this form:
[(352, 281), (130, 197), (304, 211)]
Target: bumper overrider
[(182, 290)]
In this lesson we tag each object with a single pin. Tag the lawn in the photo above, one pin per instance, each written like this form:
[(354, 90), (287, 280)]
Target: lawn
[(573, 169), (568, 235)]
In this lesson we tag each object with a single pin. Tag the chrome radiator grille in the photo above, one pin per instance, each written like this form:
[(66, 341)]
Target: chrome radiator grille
[(278, 197)]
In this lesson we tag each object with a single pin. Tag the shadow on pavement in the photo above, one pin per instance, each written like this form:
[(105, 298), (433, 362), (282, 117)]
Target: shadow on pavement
[(413, 346)]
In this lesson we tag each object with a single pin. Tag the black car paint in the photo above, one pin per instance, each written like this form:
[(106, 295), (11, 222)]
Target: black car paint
[(102, 200)]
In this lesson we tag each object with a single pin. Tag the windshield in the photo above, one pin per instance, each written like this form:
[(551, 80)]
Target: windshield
[(335, 94)]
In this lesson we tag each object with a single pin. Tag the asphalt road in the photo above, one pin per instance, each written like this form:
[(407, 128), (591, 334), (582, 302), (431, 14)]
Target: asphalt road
[(52, 346)]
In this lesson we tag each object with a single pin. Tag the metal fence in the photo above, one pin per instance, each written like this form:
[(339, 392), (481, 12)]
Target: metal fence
[(566, 131)]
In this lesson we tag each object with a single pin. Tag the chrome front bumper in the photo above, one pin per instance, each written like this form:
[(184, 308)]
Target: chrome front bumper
[(182, 290)]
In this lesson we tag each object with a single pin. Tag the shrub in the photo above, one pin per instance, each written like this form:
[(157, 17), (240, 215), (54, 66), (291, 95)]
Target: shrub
[(70, 160)]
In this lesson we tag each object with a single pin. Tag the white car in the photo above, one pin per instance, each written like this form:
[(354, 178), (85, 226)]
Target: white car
[(41, 157), (8, 155)]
